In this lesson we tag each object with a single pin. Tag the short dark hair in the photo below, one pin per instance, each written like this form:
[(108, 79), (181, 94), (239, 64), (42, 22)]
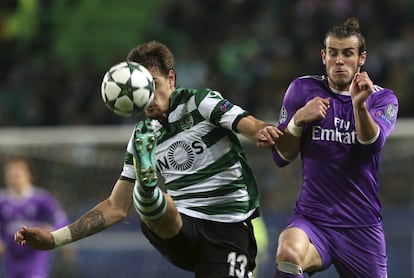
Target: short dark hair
[(153, 54), (348, 29)]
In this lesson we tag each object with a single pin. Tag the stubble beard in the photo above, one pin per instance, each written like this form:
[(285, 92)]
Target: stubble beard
[(340, 84)]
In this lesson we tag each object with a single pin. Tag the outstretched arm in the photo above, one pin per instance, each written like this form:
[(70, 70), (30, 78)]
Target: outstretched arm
[(105, 214), (262, 133)]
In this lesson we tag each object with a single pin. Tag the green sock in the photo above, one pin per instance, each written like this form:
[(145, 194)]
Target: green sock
[(149, 204)]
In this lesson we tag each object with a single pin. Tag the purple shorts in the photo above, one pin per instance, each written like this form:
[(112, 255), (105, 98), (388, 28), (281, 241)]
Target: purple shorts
[(355, 252)]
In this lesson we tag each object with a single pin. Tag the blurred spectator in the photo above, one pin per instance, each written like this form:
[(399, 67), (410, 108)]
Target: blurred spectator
[(22, 202), (246, 46)]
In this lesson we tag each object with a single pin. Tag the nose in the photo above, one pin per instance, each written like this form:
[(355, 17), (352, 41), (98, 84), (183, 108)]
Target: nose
[(339, 59)]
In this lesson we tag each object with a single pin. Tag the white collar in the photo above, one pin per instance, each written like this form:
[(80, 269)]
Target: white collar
[(343, 93)]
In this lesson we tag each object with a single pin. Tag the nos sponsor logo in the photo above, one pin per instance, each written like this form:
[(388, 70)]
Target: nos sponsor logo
[(180, 156)]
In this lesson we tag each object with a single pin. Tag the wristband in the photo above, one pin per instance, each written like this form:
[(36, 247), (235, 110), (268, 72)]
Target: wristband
[(62, 236), (294, 129)]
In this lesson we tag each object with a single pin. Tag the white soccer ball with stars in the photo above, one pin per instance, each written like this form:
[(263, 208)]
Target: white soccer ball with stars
[(127, 88)]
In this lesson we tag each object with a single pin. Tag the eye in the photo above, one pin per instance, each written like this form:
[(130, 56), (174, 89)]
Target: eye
[(333, 53), (348, 53)]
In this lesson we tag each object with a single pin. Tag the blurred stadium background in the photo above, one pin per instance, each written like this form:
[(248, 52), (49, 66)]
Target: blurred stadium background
[(54, 54)]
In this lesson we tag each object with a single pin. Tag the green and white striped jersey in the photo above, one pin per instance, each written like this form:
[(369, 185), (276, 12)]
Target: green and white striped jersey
[(201, 159)]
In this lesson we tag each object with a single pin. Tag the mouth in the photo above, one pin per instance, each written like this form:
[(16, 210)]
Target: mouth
[(340, 72)]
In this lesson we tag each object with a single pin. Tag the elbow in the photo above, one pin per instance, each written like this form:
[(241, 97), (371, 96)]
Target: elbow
[(279, 159), (281, 163), (121, 215), (116, 213)]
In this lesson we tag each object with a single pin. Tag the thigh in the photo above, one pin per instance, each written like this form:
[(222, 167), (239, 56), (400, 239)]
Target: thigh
[(306, 239), (360, 252), (226, 250), (182, 249)]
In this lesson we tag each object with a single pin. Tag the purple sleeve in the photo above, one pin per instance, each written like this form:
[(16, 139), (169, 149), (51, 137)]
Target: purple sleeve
[(278, 159), (383, 109), (292, 101)]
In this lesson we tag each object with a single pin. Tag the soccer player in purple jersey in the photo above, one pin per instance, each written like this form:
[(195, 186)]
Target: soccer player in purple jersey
[(339, 124), (22, 202)]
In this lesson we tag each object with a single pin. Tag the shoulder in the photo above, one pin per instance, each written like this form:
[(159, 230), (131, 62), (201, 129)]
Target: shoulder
[(385, 94), (41, 193), (307, 85), (381, 90), (310, 80), (3, 195), (182, 95), (206, 93), (188, 92)]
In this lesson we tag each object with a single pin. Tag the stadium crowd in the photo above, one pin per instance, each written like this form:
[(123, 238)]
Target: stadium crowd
[(249, 50)]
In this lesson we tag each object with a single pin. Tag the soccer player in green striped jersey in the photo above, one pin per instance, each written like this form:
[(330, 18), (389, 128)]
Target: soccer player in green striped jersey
[(202, 223)]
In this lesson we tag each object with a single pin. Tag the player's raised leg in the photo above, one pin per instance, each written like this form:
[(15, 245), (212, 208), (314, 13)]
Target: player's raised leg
[(156, 208)]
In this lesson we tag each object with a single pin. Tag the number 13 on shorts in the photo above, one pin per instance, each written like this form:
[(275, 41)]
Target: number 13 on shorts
[(237, 265)]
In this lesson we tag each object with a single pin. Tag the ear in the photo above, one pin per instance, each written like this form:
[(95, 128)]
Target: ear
[(323, 56), (171, 77), (362, 59)]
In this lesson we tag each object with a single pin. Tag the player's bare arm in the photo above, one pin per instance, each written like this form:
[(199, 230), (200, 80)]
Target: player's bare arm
[(102, 216), (262, 133), (361, 87)]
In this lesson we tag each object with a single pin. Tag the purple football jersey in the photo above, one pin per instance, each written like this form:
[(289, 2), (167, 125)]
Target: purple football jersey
[(38, 208), (340, 182)]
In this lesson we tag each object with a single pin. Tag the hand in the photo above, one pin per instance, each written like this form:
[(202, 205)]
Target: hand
[(35, 237), (266, 136), (361, 87), (314, 110)]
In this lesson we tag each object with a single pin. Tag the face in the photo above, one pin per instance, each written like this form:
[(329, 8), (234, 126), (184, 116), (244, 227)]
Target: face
[(164, 87), (17, 175), (342, 60)]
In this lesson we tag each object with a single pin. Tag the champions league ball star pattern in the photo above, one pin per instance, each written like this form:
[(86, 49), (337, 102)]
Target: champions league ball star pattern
[(127, 88)]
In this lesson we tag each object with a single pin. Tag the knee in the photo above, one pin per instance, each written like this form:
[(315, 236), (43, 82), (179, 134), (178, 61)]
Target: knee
[(167, 227), (289, 253), (289, 260)]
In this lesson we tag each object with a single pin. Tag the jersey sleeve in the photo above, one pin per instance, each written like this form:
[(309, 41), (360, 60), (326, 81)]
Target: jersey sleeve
[(292, 101), (219, 111), (383, 107)]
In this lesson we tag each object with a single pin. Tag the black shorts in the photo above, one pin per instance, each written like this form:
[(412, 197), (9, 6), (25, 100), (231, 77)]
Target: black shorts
[(209, 249)]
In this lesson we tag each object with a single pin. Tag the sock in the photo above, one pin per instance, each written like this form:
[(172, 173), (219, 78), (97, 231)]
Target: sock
[(149, 204), (288, 270), (281, 274)]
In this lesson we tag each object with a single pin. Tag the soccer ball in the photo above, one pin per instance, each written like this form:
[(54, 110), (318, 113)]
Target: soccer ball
[(127, 88)]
